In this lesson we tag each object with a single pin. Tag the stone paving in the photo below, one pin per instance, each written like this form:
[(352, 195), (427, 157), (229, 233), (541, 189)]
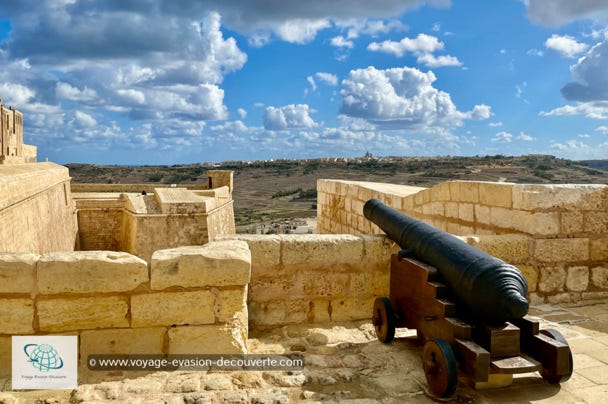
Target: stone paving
[(345, 363)]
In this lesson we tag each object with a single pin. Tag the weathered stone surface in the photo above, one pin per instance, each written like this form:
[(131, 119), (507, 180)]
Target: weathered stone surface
[(90, 271), (572, 222), (351, 308), (6, 357), (466, 212), (279, 288), (560, 250), (596, 222), (16, 316), (325, 283), (577, 278), (544, 223), (496, 194), (531, 275), (598, 249), (265, 253), (210, 339), (512, 248), (341, 252), (17, 272), (229, 302), (552, 279), (172, 308), (532, 196), (64, 314), (136, 341), (370, 283), (219, 263), (564, 298), (274, 313), (599, 277), (319, 311)]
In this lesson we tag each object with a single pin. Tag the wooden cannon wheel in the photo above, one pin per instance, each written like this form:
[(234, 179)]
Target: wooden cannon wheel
[(440, 367), (549, 374), (383, 319)]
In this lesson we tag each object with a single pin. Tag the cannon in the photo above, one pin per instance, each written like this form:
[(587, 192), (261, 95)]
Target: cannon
[(469, 307)]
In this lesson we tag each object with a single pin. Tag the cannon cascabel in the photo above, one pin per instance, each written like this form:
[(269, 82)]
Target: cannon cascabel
[(489, 289)]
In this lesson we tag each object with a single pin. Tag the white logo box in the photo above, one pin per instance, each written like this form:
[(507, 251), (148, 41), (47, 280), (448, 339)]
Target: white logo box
[(44, 362)]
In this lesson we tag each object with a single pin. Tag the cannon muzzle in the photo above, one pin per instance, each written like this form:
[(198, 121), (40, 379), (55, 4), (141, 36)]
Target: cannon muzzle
[(490, 289)]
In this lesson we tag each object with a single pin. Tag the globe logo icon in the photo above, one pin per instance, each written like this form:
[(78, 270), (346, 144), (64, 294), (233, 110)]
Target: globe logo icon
[(43, 357)]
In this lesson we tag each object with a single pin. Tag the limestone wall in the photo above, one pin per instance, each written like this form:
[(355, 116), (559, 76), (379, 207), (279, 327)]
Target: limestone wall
[(141, 224), (36, 209), (189, 300), (566, 226)]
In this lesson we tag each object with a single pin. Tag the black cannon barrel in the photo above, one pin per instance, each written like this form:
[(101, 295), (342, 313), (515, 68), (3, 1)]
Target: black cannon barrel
[(489, 288)]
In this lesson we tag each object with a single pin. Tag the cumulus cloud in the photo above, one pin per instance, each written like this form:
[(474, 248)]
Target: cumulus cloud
[(525, 137), (288, 117), (422, 46), (589, 74), (502, 137), (84, 119), (67, 92), (558, 12), (402, 98), (360, 27), (602, 129), (565, 45), (593, 110), (241, 113), (341, 42), (301, 30)]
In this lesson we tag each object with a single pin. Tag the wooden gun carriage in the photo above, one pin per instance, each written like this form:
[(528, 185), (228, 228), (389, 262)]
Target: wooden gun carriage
[(487, 344)]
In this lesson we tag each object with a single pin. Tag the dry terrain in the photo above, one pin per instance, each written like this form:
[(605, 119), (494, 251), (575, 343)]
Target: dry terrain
[(266, 191)]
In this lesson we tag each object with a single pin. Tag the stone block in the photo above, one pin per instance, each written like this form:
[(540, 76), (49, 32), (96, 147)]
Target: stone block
[(531, 275), (511, 219), (407, 203), (16, 316), (496, 194), (552, 279), (207, 340), (17, 272), (319, 311), (357, 207), (564, 298), (512, 248), (82, 313), (598, 249), (278, 312), (172, 308), (219, 263), (265, 253), (369, 284), (122, 341), (599, 277), (466, 212), (229, 303), (6, 357), (561, 250), (90, 271), (279, 288), (535, 196), (440, 192), (468, 191), (544, 223), (323, 185), (351, 309), (482, 214), (577, 278), (596, 222), (572, 222), (325, 283), (340, 252)]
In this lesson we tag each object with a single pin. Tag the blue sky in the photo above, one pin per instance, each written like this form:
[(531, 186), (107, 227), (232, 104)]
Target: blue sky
[(169, 82)]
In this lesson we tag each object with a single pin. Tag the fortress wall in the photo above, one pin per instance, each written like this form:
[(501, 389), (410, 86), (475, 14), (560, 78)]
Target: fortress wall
[(141, 224), (325, 278), (189, 300), (567, 225), (36, 209), (132, 188)]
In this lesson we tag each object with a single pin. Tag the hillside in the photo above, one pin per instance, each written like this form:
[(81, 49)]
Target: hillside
[(270, 190)]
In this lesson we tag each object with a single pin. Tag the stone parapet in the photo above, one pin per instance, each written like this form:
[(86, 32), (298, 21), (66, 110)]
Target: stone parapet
[(119, 304), (554, 230)]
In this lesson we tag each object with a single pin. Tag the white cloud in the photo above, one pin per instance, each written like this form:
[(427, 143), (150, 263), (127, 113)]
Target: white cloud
[(16, 94), (525, 137), (430, 60), (312, 83), (232, 127), (589, 74), (241, 113), (502, 137), (288, 117), (570, 145), (301, 30), (584, 136), (84, 119), (328, 78), (558, 12), (535, 52), (594, 110), (565, 45), (340, 42), (602, 129), (360, 27), (67, 92), (402, 98), (420, 45), (132, 96)]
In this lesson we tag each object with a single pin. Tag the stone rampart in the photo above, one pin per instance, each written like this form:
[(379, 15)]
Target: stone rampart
[(188, 300), (165, 218), (36, 209), (566, 226)]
